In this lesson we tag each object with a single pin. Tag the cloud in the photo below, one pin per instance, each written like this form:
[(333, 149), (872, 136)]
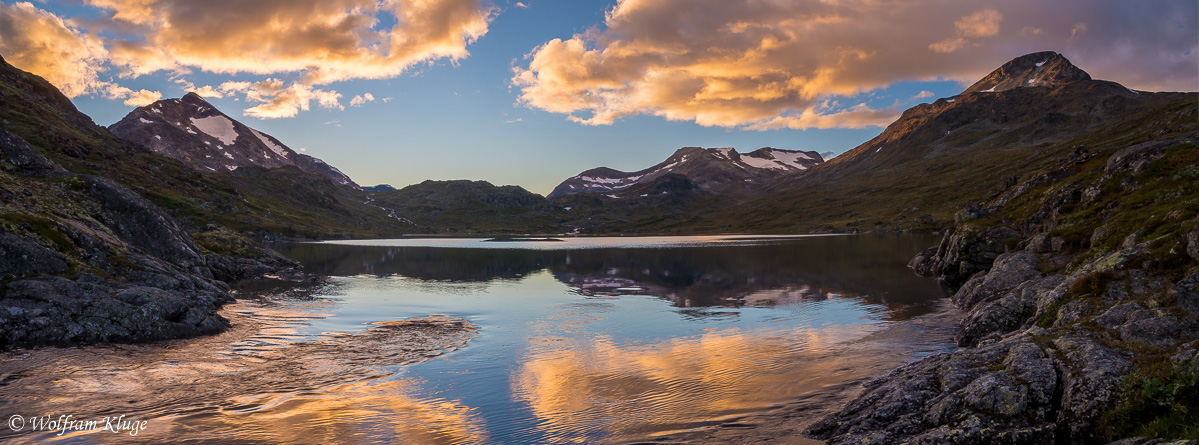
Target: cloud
[(142, 97), (521, 5), (310, 42), (923, 95), (513, 121), (361, 100), (764, 64), (42, 43), (278, 99), (323, 41), (984, 23), (1077, 31)]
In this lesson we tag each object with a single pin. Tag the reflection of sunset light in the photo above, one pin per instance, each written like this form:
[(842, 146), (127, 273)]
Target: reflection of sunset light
[(577, 385), (363, 412)]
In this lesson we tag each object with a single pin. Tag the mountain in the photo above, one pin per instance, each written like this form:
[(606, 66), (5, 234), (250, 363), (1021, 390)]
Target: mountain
[(196, 133), (1043, 69), (379, 188), (470, 207), (942, 157), (714, 170)]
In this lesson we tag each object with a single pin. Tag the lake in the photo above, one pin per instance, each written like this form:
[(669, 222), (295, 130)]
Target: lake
[(450, 340)]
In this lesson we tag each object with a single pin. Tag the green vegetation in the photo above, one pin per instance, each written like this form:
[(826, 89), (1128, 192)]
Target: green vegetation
[(1160, 400)]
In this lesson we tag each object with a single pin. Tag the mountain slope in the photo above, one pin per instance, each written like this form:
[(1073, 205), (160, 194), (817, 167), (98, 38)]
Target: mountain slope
[(715, 170), (471, 207), (938, 157), (196, 133)]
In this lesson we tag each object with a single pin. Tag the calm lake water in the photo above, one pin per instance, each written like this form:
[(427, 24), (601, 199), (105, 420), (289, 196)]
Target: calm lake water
[(581, 341)]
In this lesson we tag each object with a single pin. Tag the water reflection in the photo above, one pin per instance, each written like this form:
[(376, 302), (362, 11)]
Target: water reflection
[(597, 345), (767, 273)]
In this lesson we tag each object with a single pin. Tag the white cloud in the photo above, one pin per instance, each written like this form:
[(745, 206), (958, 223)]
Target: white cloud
[(923, 95), (362, 99)]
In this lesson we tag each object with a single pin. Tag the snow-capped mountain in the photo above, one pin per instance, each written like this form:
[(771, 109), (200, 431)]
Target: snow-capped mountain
[(193, 131), (713, 170)]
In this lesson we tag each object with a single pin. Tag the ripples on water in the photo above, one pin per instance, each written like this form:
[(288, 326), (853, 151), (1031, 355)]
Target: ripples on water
[(614, 341)]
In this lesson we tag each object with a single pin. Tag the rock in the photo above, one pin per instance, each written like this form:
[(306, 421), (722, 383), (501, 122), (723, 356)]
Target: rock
[(61, 312), (925, 262), (999, 393), (1192, 239), (1006, 313), (968, 250), (1098, 234), (1187, 293), (19, 158), (22, 256), (1090, 378), (1009, 270), (142, 224), (1134, 158), (1161, 331)]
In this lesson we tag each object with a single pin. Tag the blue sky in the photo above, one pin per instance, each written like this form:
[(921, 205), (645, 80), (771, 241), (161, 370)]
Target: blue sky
[(468, 116)]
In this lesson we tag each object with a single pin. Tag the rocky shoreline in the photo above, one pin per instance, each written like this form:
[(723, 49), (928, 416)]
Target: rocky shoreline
[(84, 259), (1079, 328)]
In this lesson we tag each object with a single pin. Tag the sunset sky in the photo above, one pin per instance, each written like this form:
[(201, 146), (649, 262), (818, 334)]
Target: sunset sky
[(532, 92)]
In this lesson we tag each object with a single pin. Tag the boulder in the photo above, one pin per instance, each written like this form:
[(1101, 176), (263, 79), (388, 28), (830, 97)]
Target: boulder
[(1009, 270)]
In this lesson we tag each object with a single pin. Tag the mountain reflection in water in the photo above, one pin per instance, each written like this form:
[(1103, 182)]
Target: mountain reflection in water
[(758, 274), (541, 344)]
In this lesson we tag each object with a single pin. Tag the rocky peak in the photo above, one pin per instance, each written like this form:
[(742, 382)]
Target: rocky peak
[(195, 132), (716, 170), (1046, 68)]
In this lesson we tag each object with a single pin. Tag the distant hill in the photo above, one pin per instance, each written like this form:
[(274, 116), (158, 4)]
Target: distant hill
[(471, 207), (198, 134), (716, 170)]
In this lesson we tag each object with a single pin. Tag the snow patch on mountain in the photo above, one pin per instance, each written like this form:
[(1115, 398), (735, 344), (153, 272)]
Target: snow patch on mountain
[(216, 126), (271, 145)]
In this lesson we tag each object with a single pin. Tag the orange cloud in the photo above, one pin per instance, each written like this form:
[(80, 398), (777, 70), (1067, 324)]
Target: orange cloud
[(983, 23), (323, 40), (765, 64), (315, 42), (39, 42)]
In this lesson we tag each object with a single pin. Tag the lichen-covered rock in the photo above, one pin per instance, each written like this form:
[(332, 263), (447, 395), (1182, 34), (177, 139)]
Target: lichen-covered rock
[(1090, 378), (1009, 270), (1002, 393), (1005, 314)]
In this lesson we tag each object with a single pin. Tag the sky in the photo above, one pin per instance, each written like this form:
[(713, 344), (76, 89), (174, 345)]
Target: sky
[(532, 92)]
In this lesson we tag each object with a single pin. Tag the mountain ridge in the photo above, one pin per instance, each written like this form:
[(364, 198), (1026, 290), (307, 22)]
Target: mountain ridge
[(193, 131), (715, 170)]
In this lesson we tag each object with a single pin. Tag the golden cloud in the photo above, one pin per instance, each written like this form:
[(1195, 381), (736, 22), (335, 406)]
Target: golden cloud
[(314, 42), (40, 42), (322, 40), (765, 64)]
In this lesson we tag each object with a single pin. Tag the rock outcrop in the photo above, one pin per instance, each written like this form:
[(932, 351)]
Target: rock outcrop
[(1064, 320)]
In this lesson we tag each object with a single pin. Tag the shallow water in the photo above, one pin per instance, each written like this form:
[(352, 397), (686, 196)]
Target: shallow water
[(466, 341)]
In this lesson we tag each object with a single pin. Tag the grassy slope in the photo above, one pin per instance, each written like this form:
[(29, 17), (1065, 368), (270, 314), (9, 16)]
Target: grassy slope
[(259, 201)]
